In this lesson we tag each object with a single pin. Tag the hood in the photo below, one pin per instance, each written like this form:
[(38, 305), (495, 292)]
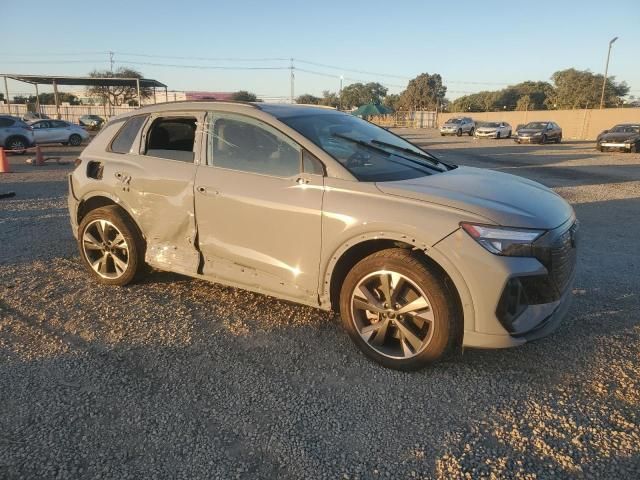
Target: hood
[(446, 124), (617, 136), (529, 131), (501, 198)]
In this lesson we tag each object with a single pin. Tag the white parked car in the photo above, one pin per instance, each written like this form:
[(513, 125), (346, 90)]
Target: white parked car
[(493, 130), (58, 131)]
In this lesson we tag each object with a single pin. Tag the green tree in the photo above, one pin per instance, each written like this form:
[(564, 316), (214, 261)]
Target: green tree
[(48, 99), (466, 103), (425, 92), (392, 101), (308, 99), (244, 96), (330, 99), (524, 103), (582, 89), (121, 95), (358, 94)]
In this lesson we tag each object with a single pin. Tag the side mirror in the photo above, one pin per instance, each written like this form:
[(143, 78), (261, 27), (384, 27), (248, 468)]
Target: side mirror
[(605, 131)]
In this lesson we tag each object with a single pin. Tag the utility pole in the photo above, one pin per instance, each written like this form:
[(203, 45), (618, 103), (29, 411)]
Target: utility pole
[(111, 60), (291, 67), (606, 71), (340, 93)]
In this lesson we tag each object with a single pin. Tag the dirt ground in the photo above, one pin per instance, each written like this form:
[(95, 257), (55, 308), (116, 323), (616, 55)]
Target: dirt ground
[(178, 378)]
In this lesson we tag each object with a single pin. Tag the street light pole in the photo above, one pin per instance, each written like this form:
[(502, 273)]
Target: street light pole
[(606, 71)]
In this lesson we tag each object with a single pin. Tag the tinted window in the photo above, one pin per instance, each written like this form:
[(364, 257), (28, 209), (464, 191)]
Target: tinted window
[(249, 145), (6, 122), (59, 124), (123, 141), (311, 164), (39, 125), (172, 138)]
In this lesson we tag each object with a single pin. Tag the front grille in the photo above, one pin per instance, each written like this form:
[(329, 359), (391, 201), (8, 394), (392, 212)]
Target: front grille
[(563, 258)]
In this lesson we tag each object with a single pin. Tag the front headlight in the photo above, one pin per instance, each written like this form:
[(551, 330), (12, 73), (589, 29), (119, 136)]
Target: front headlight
[(511, 242), (538, 134)]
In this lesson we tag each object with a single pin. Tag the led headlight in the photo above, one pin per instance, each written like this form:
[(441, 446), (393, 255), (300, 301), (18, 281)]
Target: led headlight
[(512, 242)]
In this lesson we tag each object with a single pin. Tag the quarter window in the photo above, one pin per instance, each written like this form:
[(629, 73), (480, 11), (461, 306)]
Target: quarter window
[(5, 122), (123, 141), (249, 145)]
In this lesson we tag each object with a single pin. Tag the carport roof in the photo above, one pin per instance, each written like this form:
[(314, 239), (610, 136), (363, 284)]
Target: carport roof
[(90, 81)]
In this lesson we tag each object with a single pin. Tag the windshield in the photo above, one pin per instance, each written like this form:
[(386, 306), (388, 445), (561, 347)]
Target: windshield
[(489, 125), (370, 153), (536, 125), (454, 120), (626, 129)]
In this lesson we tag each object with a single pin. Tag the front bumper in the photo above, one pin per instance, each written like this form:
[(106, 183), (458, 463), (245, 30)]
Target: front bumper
[(541, 303), (528, 139), (72, 203), (486, 134), (616, 145), (448, 131)]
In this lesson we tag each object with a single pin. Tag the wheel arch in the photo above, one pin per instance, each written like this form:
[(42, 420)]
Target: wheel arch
[(103, 199), (16, 135), (352, 252)]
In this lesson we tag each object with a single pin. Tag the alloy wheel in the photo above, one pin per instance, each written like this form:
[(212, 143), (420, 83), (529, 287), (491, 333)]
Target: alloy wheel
[(392, 314), (105, 249)]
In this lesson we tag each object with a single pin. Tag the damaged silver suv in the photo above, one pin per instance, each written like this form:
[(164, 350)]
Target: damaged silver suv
[(321, 208)]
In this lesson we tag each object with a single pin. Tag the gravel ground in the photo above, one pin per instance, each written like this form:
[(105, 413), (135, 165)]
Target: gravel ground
[(179, 378)]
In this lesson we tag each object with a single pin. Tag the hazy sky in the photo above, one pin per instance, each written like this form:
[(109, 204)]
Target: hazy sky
[(474, 45)]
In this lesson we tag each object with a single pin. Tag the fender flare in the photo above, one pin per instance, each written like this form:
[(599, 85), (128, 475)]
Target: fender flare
[(433, 253)]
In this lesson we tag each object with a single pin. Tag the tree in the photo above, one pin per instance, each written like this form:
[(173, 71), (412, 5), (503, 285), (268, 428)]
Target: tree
[(330, 99), (358, 94), (244, 96), (48, 99), (392, 101), (120, 95), (425, 92), (524, 103), (466, 103), (308, 99), (582, 89)]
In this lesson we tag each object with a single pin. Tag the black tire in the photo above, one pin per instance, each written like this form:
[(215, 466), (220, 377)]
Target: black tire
[(75, 140), (559, 139), (509, 134), (498, 136), (134, 241), (459, 133), (600, 148), (472, 131), (18, 144), (446, 324), (442, 134), (543, 140)]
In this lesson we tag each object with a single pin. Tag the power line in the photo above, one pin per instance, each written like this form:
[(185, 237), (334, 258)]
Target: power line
[(227, 59), (205, 67)]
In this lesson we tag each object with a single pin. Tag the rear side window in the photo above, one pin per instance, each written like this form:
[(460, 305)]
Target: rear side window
[(123, 140), (172, 138), (5, 122)]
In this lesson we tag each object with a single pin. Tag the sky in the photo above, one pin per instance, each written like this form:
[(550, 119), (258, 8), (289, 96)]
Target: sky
[(474, 45)]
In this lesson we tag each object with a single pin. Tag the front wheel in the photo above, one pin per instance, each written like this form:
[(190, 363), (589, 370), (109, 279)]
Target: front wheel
[(17, 144), (472, 131), (111, 246), (75, 140), (543, 140), (459, 133), (398, 311)]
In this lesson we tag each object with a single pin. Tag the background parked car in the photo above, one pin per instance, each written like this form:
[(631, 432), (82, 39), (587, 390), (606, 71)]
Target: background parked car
[(58, 131), (625, 136), (33, 116), (15, 134), (92, 122), (458, 126), (539, 132), (493, 130)]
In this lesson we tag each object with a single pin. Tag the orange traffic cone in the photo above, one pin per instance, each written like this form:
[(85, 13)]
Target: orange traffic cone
[(4, 162), (39, 157)]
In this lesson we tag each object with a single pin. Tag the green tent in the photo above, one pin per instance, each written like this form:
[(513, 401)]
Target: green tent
[(371, 109)]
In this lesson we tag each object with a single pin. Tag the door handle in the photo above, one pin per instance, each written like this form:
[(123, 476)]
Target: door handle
[(302, 181)]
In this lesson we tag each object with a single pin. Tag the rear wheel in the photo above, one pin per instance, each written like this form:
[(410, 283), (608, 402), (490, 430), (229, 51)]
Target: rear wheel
[(17, 144), (498, 136), (398, 311), (111, 246), (472, 131), (459, 132), (543, 140)]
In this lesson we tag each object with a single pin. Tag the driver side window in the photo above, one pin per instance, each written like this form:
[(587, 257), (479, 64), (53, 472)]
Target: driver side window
[(249, 145)]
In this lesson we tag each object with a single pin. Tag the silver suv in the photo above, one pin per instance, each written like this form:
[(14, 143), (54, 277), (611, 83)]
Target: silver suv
[(15, 134), (458, 126), (321, 208)]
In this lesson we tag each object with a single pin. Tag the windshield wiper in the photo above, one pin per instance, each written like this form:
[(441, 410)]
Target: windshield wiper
[(382, 150), (425, 155)]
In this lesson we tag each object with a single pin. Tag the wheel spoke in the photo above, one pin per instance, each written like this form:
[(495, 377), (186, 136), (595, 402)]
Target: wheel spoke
[(419, 303), (366, 300), (406, 350), (376, 328), (398, 285), (90, 242), (381, 333), (409, 336), (100, 228), (385, 286), (119, 242), (120, 265)]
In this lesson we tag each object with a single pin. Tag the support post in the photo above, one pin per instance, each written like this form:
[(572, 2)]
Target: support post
[(166, 94), (154, 95), (138, 90), (57, 99), (292, 80), (6, 95), (37, 99)]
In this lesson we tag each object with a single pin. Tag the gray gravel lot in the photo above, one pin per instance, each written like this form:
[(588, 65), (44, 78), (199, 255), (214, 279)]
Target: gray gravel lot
[(179, 378)]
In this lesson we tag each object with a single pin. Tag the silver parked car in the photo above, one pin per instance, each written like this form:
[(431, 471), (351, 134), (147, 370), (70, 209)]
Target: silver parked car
[(322, 208), (15, 134), (458, 126), (59, 131)]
